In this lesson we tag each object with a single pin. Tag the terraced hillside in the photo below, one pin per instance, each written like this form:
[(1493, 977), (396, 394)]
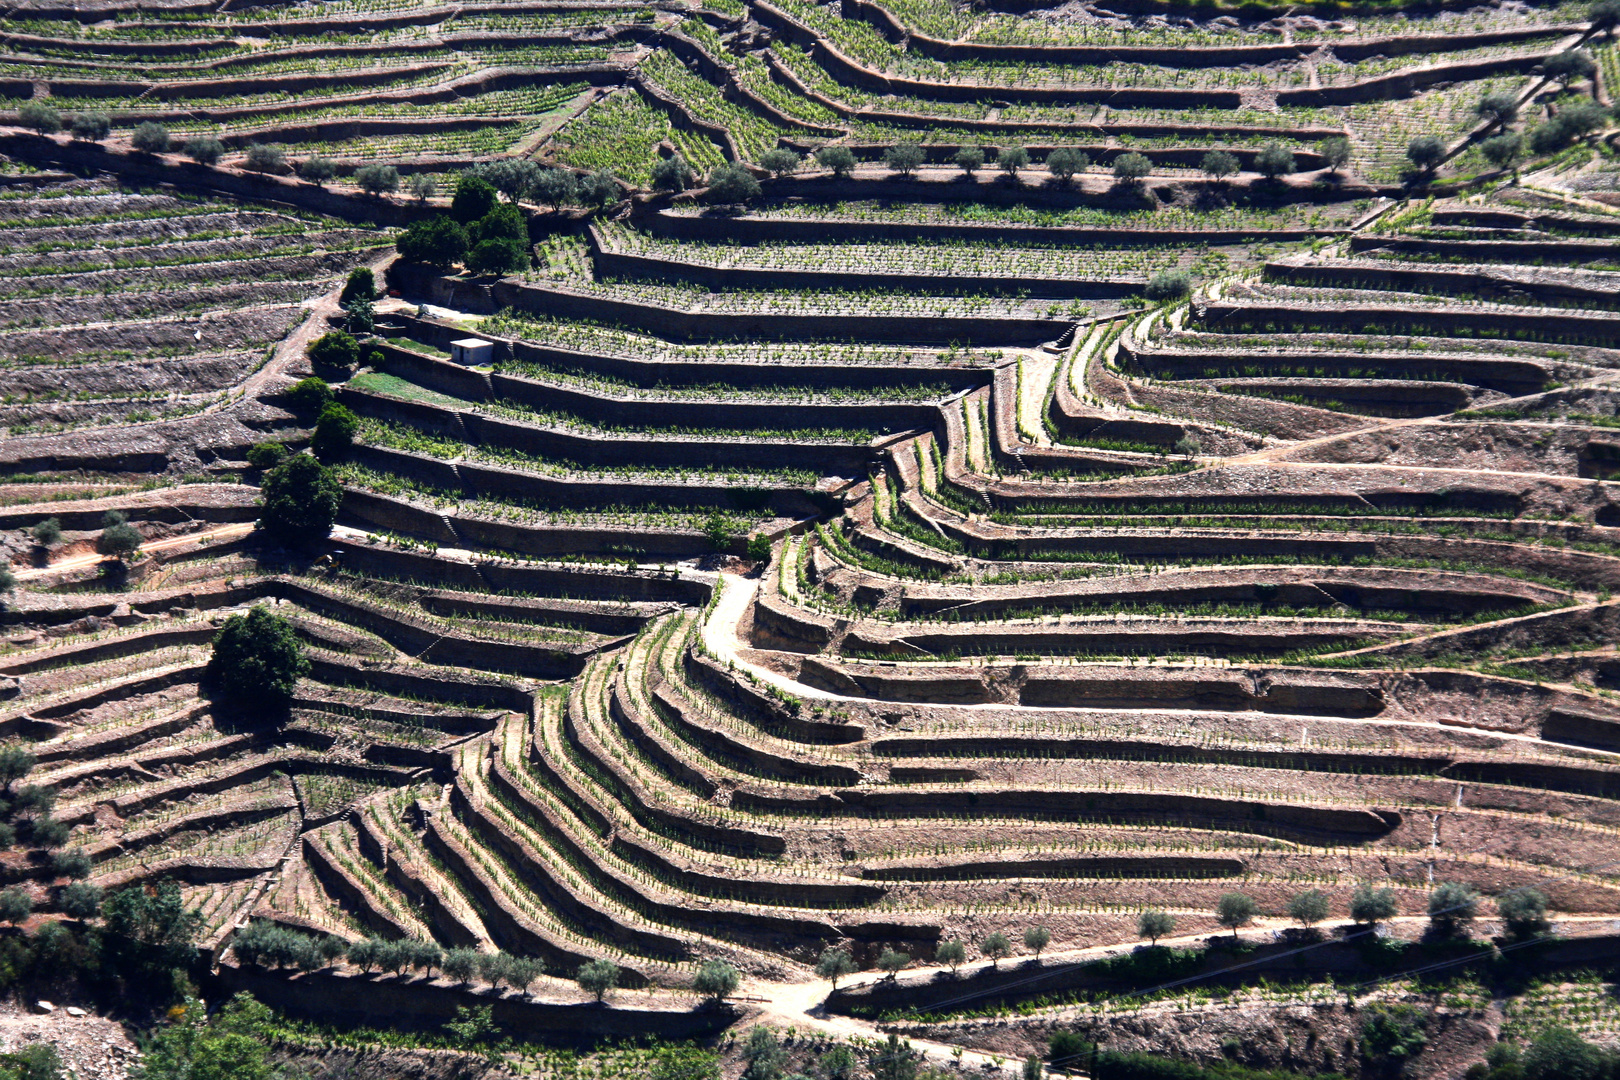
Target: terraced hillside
[(936, 471)]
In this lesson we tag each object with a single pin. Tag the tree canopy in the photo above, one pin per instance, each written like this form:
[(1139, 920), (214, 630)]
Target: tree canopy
[(257, 661)]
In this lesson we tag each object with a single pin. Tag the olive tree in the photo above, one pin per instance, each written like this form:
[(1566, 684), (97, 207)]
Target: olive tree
[(1335, 151), (1234, 910), (840, 160), (673, 174), (91, 126), (150, 138), (1426, 152), (204, 151), (1274, 160), (732, 184), (40, 117), (971, 158), (1154, 925), (904, 158), (1130, 167), (1011, 159), (1218, 165), (1065, 161), (1309, 907), (834, 963)]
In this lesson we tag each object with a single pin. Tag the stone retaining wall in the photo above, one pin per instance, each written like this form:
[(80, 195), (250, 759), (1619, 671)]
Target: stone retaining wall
[(394, 1001)]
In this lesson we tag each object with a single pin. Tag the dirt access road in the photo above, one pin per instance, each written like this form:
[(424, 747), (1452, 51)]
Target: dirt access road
[(89, 559)]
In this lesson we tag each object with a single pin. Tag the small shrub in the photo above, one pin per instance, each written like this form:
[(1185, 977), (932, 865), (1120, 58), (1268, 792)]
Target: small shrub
[(48, 532), (266, 455), (422, 187), (361, 284), (1167, 285), (839, 1063), (334, 432), (335, 349), (1064, 1049), (1560, 1054), (759, 548), (309, 396), (1391, 1035)]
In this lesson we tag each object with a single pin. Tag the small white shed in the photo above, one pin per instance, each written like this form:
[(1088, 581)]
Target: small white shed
[(472, 351)]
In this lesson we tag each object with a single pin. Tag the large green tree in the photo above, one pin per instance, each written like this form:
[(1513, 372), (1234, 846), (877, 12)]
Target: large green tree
[(231, 1046), (301, 499), (257, 660)]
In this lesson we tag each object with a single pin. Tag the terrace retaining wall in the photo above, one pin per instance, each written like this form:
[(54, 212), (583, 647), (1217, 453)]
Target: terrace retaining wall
[(166, 169), (770, 326), (592, 449), (722, 227), (475, 386), (721, 278), (388, 1001), (1194, 56)]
